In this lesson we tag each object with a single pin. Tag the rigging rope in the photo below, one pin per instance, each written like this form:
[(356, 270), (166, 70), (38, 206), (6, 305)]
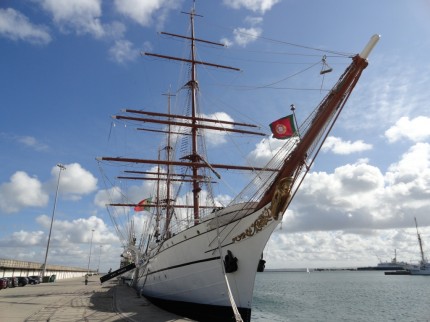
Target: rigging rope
[(112, 217), (253, 36), (288, 77)]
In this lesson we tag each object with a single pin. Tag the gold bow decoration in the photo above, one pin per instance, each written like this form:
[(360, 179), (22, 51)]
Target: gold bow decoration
[(279, 203), (281, 197)]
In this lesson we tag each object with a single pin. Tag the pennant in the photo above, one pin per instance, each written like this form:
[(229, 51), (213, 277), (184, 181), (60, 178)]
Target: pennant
[(283, 128), (143, 205)]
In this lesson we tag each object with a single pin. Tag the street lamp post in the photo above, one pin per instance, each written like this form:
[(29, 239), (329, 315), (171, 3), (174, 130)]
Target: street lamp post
[(91, 246), (61, 167)]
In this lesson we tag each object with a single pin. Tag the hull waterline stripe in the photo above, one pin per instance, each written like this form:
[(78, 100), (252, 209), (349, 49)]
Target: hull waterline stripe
[(185, 264)]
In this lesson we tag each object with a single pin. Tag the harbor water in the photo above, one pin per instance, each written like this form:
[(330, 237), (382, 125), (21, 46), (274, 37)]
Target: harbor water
[(340, 296)]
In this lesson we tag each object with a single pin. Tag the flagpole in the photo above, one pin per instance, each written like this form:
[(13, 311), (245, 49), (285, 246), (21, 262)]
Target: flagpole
[(293, 108)]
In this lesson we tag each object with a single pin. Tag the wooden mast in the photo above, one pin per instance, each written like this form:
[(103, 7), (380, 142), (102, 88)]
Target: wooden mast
[(423, 260), (158, 206), (194, 157), (169, 149), (324, 118), (194, 160)]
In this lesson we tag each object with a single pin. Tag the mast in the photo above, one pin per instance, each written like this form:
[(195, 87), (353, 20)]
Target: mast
[(168, 171), (194, 161), (315, 135), (420, 243), (194, 157), (158, 206)]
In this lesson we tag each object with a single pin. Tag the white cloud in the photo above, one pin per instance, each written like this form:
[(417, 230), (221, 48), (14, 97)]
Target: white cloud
[(338, 146), (79, 231), (81, 16), (28, 141), (75, 181), (226, 42), (147, 46), (143, 12), (25, 238), (115, 29), (254, 21), (70, 241), (327, 201), (123, 51), (253, 5), (359, 178), (14, 25), (243, 36), (22, 191), (359, 196), (264, 151), (217, 137), (416, 130), (104, 197), (32, 143), (409, 178)]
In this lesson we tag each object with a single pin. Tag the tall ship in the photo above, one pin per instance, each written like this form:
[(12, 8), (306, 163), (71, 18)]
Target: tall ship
[(199, 257), (423, 268)]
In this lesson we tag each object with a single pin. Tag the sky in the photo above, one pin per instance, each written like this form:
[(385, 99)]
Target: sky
[(67, 66)]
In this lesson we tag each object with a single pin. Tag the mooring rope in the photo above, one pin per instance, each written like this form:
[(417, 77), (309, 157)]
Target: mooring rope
[(237, 315)]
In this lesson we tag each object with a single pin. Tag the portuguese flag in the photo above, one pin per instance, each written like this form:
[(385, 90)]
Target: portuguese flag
[(283, 128), (143, 205)]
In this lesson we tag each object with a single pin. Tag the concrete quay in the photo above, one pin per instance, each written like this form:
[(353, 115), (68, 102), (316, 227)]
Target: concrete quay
[(71, 300)]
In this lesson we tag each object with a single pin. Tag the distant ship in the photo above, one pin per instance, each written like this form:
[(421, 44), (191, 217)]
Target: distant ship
[(393, 265), (423, 268)]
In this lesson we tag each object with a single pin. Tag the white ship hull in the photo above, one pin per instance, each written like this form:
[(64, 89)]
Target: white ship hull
[(424, 266), (420, 270), (186, 275)]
